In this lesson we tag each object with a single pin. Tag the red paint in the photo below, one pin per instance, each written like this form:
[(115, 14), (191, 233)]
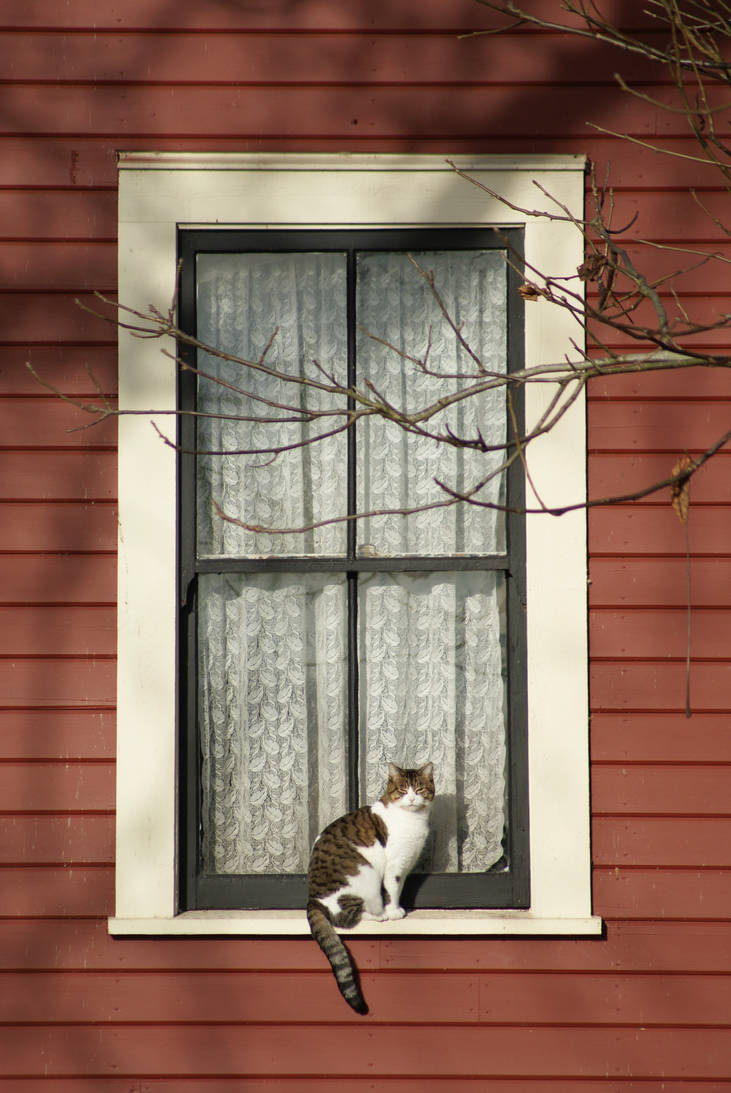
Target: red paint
[(61, 786), (56, 317), (77, 372), (476, 1051), (614, 474), (68, 840), (58, 578), (378, 111), (65, 526), (47, 422), (74, 474), (655, 529), (660, 737), (660, 790), (661, 840), (281, 15)]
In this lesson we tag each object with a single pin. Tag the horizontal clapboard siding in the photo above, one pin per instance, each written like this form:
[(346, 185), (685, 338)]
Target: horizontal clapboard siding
[(334, 1085), (647, 1006), (184, 997), (63, 164), (220, 1050), (195, 112)]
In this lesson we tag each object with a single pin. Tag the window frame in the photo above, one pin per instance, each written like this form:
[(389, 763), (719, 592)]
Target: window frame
[(158, 192), (505, 887)]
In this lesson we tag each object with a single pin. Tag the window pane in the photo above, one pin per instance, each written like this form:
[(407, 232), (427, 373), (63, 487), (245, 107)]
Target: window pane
[(272, 714), (433, 688), (396, 470), (242, 299)]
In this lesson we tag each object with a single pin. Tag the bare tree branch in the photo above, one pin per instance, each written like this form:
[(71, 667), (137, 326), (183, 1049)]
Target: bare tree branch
[(616, 296)]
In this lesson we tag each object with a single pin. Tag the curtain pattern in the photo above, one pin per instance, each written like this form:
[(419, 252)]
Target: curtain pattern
[(397, 469), (432, 688), (242, 300), (272, 707), (273, 648)]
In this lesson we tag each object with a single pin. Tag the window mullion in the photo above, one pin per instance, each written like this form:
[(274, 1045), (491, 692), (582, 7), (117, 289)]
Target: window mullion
[(353, 750)]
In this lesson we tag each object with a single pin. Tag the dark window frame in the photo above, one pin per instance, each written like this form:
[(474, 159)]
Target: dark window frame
[(503, 886)]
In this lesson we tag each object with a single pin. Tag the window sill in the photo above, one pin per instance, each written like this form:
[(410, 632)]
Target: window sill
[(418, 923)]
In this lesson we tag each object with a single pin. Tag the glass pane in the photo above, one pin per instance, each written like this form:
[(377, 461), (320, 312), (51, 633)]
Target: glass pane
[(432, 682), (242, 299), (272, 713), (397, 470)]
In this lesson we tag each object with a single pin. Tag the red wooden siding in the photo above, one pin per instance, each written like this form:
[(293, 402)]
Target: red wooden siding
[(646, 1008)]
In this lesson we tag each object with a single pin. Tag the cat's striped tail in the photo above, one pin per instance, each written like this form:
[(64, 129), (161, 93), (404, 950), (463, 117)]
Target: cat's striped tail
[(323, 931)]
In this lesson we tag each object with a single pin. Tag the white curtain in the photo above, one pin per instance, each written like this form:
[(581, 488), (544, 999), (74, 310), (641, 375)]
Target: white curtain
[(432, 689), (273, 648), (272, 705), (397, 469), (243, 299)]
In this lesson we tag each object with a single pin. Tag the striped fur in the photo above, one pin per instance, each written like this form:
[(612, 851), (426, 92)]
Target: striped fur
[(322, 930)]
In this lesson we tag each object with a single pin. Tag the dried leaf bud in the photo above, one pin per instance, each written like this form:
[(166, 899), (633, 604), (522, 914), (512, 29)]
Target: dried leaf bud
[(591, 269), (529, 291), (680, 490)]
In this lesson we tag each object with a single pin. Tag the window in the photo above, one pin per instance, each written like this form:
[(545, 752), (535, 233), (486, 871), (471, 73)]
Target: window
[(350, 222), (313, 659)]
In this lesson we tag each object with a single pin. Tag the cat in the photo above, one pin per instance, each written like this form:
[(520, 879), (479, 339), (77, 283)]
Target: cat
[(359, 864)]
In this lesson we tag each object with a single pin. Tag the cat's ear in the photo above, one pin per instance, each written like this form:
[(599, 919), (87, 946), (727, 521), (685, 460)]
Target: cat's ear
[(393, 771), (427, 771)]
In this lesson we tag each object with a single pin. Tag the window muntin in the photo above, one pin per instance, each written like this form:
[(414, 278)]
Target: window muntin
[(254, 805)]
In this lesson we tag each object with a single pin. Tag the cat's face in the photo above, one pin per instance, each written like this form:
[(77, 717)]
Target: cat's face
[(410, 789)]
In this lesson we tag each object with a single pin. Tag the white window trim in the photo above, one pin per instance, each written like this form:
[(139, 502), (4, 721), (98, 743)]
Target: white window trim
[(159, 191)]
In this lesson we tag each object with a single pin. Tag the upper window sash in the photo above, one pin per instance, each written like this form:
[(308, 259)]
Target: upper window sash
[(482, 532)]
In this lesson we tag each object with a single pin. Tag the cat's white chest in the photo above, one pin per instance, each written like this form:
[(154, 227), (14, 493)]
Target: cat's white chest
[(407, 832)]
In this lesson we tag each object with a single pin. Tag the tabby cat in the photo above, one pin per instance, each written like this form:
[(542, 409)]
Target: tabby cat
[(359, 864)]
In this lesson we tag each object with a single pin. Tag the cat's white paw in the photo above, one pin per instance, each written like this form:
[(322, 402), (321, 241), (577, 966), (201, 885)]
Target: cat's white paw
[(368, 917), (395, 912)]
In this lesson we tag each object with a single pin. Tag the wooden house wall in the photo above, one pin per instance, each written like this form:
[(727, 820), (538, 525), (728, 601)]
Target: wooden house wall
[(649, 1006)]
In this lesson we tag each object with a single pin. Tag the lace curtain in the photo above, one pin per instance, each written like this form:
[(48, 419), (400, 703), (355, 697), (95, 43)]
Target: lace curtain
[(273, 717), (243, 299), (397, 469), (432, 688), (273, 648)]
